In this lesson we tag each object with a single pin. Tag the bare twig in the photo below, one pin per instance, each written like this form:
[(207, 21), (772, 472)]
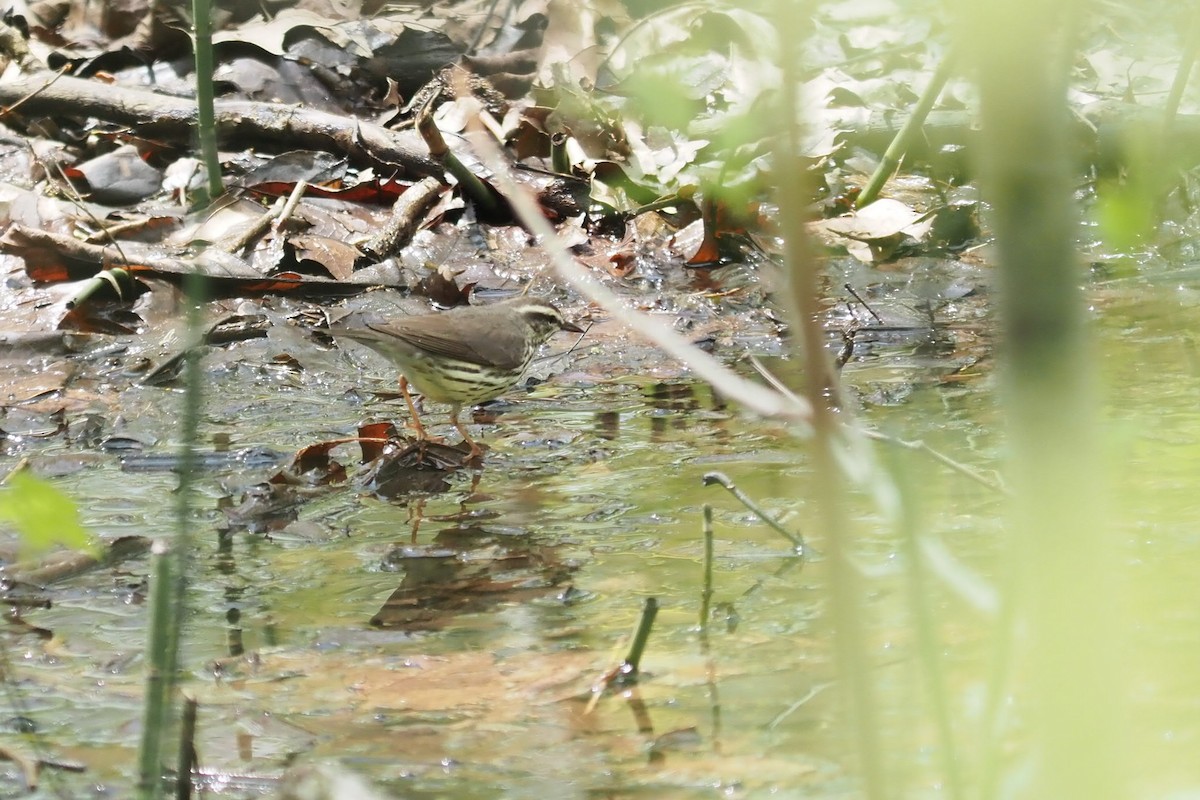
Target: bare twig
[(756, 398), (408, 212), (855, 295), (721, 478), (289, 208), (34, 91), (796, 706), (30, 767), (916, 445), (941, 458), (257, 228)]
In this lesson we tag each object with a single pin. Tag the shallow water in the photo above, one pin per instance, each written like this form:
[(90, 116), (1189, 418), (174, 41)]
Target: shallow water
[(588, 503)]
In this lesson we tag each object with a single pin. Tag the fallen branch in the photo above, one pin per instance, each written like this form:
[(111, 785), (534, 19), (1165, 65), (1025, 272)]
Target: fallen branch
[(407, 215), (273, 126), (62, 564), (51, 257), (755, 397)]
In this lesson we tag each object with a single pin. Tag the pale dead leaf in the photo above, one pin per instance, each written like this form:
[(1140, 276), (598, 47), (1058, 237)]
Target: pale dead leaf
[(874, 230)]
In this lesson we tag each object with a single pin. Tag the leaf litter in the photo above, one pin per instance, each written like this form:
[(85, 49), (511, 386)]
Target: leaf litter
[(663, 201)]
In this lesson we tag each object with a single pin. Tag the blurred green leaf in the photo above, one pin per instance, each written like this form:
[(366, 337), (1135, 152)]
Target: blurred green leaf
[(1126, 213), (42, 514)]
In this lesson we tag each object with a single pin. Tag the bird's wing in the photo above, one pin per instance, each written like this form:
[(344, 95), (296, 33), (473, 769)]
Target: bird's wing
[(503, 348)]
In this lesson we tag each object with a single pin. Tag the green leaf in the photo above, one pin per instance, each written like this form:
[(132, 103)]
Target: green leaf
[(1126, 213), (42, 514)]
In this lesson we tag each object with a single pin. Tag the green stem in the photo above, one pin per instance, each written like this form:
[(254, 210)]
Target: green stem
[(1187, 61), (187, 750), (1064, 548), (560, 161), (206, 120), (829, 445), (633, 661), (928, 648), (155, 711), (902, 140), (706, 595)]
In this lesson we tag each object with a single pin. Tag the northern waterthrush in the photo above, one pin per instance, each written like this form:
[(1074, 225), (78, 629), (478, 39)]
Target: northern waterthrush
[(463, 356)]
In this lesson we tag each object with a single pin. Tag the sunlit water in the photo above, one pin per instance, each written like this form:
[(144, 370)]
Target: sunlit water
[(597, 485)]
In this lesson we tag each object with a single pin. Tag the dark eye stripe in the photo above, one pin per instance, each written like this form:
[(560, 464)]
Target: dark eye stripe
[(534, 315)]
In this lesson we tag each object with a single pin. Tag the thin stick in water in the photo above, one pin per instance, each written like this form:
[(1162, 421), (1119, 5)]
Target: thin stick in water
[(721, 478), (187, 750), (706, 595), (629, 670)]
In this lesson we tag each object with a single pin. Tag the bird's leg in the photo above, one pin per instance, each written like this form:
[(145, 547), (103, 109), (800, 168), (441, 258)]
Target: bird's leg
[(412, 410), (476, 450)]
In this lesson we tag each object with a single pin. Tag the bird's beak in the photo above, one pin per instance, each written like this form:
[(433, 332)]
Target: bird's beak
[(572, 327)]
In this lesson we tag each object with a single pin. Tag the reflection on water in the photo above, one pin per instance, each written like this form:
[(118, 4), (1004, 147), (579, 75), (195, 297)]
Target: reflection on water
[(445, 641), (467, 570)]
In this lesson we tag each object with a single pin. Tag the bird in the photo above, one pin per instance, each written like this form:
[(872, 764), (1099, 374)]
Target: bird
[(463, 356)]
